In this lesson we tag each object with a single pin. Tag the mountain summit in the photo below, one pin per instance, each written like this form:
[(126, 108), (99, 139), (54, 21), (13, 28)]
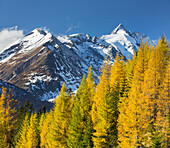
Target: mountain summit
[(118, 28), (40, 63)]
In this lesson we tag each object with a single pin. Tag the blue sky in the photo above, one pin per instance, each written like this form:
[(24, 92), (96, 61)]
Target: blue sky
[(95, 17)]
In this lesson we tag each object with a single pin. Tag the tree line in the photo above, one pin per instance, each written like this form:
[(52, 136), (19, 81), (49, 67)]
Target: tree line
[(128, 108)]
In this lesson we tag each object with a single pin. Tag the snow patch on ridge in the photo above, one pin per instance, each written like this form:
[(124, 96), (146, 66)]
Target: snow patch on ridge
[(51, 95)]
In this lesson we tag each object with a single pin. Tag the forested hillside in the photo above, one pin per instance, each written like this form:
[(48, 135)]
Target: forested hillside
[(129, 108)]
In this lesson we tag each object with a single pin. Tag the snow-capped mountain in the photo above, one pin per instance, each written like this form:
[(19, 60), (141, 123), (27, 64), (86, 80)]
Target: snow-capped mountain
[(39, 62), (126, 42)]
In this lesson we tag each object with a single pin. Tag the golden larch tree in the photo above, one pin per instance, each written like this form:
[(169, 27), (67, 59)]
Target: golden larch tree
[(133, 122), (102, 110), (61, 117)]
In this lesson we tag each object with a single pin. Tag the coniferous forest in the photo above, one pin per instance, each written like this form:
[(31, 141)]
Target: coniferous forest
[(128, 108)]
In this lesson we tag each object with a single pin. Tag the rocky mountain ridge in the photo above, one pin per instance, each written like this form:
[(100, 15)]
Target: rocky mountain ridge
[(39, 62)]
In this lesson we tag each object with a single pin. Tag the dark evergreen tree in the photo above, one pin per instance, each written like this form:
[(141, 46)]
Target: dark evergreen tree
[(75, 131)]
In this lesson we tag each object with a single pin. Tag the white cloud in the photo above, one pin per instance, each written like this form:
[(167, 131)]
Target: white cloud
[(72, 27), (9, 35)]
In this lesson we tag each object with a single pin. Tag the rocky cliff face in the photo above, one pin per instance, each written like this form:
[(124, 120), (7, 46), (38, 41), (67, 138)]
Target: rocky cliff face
[(39, 62), (22, 96)]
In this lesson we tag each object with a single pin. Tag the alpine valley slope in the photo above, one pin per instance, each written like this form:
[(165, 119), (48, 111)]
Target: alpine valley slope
[(22, 96), (39, 62)]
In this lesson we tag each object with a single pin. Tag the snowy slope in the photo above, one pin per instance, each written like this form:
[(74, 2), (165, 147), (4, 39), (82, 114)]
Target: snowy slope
[(125, 42), (29, 42), (91, 50)]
